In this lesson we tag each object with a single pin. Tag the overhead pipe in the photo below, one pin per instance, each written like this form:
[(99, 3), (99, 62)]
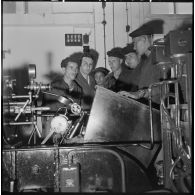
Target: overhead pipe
[(104, 25), (113, 24), (127, 26)]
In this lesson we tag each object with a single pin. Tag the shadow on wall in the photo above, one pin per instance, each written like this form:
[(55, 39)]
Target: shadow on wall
[(51, 75), (21, 76)]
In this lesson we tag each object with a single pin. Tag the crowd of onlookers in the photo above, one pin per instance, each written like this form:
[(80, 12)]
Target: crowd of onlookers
[(131, 73)]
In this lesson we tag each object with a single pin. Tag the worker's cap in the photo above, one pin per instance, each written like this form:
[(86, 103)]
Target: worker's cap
[(100, 69), (128, 49), (65, 61), (149, 28), (115, 52)]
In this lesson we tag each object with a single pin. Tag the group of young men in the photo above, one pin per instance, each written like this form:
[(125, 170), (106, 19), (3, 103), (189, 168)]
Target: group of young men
[(131, 73)]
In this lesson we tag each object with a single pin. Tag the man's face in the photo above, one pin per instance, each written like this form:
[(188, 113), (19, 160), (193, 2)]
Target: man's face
[(131, 60), (99, 78), (86, 65), (114, 63), (141, 44), (71, 70)]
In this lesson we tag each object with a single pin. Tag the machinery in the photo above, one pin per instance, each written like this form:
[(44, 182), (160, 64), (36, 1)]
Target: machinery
[(173, 56), (110, 149)]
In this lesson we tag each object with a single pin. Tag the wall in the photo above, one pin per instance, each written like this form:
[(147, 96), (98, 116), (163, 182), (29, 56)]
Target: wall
[(35, 34)]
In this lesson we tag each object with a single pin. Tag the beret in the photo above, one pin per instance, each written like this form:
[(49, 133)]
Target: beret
[(115, 52), (101, 69), (128, 49)]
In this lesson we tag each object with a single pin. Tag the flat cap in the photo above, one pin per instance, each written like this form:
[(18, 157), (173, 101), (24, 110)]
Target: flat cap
[(115, 52), (105, 71), (149, 28), (128, 49), (65, 61)]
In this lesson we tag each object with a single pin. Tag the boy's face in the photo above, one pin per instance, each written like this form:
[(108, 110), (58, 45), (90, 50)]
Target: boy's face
[(131, 60), (86, 65), (71, 70), (99, 78), (114, 63)]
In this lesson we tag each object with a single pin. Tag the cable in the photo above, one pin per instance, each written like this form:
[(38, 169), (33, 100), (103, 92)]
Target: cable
[(127, 27), (113, 24)]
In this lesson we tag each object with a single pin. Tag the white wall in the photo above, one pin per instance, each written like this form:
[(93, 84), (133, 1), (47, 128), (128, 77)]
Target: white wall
[(32, 37)]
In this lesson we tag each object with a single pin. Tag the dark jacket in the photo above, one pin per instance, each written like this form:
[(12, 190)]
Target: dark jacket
[(60, 87), (150, 73), (123, 83), (88, 90)]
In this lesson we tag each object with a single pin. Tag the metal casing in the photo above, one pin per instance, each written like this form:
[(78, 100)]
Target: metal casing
[(158, 55), (114, 118), (35, 169), (101, 169), (178, 42)]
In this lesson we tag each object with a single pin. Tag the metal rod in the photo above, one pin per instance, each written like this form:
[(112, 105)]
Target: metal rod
[(20, 123), (38, 132), (22, 110), (13, 103), (22, 96), (151, 123), (48, 136)]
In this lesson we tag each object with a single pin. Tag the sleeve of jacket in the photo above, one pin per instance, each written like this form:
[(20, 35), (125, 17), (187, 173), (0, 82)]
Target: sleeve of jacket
[(109, 81)]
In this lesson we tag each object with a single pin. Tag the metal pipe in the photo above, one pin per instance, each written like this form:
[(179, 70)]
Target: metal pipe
[(13, 103), (113, 24), (178, 113), (151, 122), (20, 123), (174, 8), (19, 96), (104, 26), (127, 22), (94, 28), (151, 119), (151, 114)]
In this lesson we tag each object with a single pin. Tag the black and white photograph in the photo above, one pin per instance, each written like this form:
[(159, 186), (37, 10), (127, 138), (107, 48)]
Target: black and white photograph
[(96, 97)]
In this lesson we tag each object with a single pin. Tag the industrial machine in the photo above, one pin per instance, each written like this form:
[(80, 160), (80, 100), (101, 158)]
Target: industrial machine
[(113, 148)]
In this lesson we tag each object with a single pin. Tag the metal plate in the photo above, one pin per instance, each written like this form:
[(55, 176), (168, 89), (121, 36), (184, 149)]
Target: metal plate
[(115, 118), (102, 169), (35, 169), (8, 170)]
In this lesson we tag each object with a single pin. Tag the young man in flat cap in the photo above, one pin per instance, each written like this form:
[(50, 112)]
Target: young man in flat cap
[(131, 59), (118, 79), (131, 64), (86, 81), (148, 73), (99, 75), (65, 86)]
